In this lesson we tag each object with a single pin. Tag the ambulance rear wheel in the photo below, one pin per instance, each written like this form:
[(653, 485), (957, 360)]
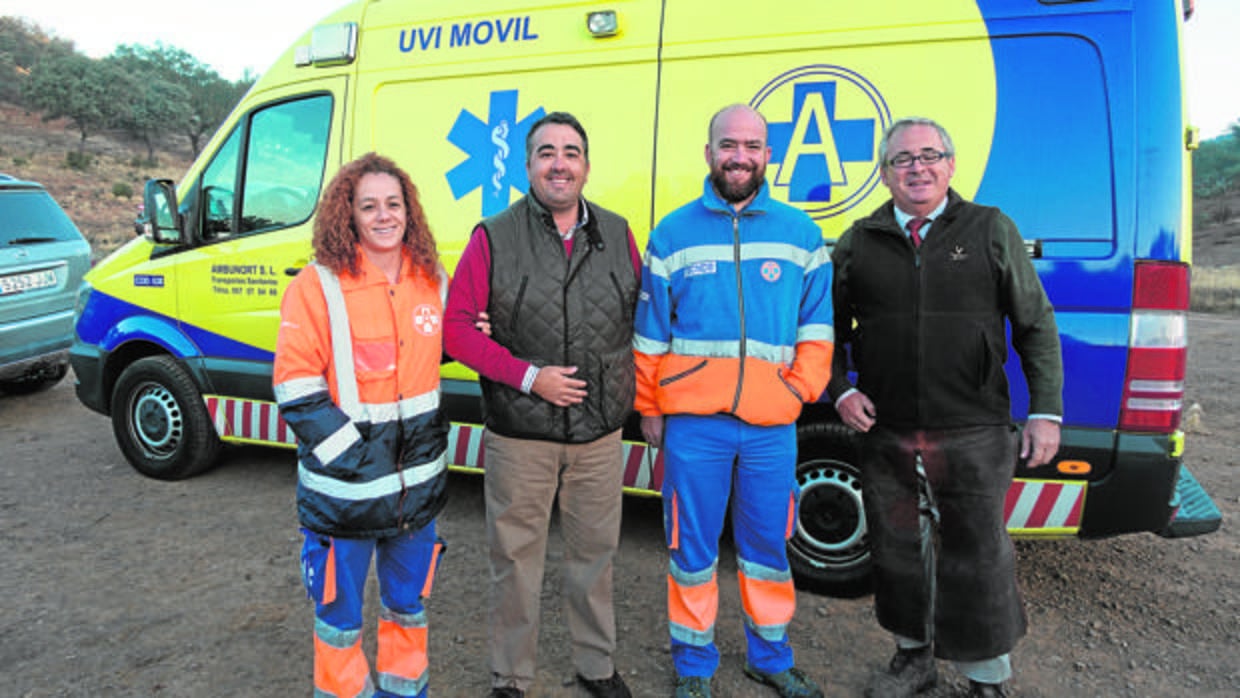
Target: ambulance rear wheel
[(160, 421), (829, 551)]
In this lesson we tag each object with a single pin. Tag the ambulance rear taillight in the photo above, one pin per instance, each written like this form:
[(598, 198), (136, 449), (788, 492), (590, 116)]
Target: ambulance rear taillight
[(1157, 349)]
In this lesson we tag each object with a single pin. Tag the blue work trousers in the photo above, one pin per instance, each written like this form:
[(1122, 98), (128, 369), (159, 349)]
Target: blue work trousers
[(717, 464), (334, 572)]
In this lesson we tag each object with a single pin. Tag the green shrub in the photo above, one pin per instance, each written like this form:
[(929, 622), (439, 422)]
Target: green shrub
[(122, 190), (77, 160), (138, 162), (20, 162)]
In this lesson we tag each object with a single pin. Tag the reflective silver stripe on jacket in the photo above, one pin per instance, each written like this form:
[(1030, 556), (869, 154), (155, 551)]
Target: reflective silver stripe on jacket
[(342, 342), (346, 375), (749, 251), (374, 489), (297, 388)]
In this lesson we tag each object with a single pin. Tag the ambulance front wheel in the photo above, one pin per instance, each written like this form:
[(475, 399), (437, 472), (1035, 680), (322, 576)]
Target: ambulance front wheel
[(160, 421), (829, 551)]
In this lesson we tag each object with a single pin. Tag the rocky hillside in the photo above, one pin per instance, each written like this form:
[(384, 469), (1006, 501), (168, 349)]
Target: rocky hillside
[(1216, 237), (95, 196), (103, 197)]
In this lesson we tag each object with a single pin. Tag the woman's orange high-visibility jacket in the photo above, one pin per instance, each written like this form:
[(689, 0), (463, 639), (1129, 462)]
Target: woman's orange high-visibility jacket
[(357, 380)]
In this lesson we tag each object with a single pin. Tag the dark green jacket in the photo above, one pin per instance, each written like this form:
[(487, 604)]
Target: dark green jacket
[(929, 339)]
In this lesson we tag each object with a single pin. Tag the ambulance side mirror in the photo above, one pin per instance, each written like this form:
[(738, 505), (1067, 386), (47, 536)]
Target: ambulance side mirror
[(159, 204)]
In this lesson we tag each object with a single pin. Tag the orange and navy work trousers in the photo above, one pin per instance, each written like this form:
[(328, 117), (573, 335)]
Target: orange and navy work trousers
[(717, 464), (334, 572)]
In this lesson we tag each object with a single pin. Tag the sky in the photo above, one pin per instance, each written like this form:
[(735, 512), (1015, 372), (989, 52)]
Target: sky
[(232, 36)]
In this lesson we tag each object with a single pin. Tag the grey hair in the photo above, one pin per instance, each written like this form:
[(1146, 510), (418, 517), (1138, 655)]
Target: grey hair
[(907, 122)]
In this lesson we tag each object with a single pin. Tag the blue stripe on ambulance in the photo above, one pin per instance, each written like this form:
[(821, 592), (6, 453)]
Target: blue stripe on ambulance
[(112, 322)]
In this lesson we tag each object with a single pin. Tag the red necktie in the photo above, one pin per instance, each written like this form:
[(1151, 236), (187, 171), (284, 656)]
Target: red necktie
[(914, 230)]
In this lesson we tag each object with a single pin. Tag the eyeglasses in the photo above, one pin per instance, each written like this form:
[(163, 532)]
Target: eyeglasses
[(927, 157)]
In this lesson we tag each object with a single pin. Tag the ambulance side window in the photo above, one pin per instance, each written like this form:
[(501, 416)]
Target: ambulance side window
[(218, 182), (284, 150), (284, 163)]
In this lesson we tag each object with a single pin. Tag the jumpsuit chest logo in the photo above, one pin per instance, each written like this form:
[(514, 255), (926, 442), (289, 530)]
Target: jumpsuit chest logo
[(770, 271), (426, 320)]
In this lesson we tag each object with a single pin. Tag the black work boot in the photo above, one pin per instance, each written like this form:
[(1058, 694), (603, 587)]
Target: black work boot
[(910, 672), (977, 689), (610, 687)]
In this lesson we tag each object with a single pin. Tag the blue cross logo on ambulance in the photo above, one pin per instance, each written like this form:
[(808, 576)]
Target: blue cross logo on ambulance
[(824, 122), (496, 150)]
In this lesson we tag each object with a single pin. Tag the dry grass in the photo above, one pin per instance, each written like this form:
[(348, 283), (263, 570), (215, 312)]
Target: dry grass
[(33, 150), (1216, 289)]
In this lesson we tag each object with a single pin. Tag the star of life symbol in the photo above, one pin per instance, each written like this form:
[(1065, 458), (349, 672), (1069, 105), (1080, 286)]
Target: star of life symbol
[(426, 319), (496, 150)]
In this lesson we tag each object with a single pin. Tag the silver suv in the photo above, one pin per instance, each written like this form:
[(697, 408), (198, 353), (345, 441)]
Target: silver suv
[(43, 257)]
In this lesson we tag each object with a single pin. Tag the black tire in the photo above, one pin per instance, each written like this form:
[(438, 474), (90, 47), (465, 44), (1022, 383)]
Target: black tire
[(160, 421), (35, 381), (829, 551)]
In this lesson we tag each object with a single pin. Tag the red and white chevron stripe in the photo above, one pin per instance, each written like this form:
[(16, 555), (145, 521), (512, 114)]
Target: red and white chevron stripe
[(248, 421), (643, 466), (1031, 506), (1046, 505)]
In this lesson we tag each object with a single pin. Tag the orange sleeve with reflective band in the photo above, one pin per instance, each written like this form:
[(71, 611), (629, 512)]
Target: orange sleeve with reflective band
[(694, 607), (303, 343), (811, 370), (646, 402)]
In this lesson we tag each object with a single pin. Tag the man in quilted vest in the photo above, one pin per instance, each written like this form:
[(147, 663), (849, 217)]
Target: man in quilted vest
[(558, 277)]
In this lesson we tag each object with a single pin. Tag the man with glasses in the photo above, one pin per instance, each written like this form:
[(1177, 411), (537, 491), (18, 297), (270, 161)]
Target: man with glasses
[(922, 289)]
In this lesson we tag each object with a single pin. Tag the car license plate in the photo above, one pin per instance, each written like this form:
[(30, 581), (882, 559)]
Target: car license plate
[(17, 283)]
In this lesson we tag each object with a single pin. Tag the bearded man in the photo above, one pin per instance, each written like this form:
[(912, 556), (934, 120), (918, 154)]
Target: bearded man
[(733, 334)]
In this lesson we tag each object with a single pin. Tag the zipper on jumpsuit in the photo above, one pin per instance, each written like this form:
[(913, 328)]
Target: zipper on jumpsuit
[(740, 300)]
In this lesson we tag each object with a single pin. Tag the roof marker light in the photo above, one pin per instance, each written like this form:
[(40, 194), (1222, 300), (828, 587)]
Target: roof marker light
[(330, 44)]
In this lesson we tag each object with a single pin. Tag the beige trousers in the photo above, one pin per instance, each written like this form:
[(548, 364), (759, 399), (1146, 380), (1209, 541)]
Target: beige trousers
[(523, 479)]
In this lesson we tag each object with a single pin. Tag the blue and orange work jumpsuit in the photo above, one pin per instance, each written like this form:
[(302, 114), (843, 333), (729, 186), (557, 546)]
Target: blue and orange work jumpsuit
[(357, 380), (733, 334)]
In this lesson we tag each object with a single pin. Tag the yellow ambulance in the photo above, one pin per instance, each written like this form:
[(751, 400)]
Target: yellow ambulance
[(1066, 114)]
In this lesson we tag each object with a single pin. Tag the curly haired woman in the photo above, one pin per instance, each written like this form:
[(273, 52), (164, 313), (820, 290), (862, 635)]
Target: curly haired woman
[(357, 380)]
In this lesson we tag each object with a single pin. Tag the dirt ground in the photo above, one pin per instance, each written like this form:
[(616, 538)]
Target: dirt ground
[(117, 585)]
